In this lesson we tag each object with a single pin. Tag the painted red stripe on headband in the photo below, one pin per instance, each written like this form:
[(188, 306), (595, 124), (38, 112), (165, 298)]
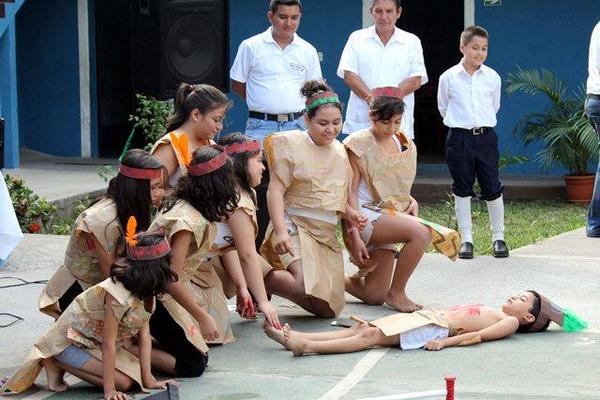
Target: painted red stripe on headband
[(140, 173), (243, 147)]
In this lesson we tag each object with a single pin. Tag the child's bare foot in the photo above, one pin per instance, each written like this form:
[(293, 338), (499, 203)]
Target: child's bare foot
[(294, 342), (402, 303), (55, 375), (275, 334)]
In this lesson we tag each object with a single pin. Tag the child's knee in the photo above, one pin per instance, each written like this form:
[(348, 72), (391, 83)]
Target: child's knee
[(123, 383), (374, 299), (192, 366)]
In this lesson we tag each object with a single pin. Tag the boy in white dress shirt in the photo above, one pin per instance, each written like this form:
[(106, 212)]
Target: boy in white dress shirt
[(468, 100)]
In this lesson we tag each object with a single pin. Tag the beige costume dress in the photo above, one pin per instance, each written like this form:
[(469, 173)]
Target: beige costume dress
[(246, 204), (81, 263), (184, 217), (317, 181), (389, 178), (81, 325), (182, 169)]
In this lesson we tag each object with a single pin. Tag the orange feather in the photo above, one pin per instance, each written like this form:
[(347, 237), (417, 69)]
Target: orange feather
[(130, 234), (181, 144)]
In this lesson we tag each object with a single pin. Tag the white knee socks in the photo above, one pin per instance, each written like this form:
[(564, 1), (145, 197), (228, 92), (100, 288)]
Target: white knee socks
[(462, 207), (496, 211)]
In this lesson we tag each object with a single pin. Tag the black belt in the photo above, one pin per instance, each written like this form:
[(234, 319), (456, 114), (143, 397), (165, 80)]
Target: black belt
[(475, 131), (594, 96), (276, 117)]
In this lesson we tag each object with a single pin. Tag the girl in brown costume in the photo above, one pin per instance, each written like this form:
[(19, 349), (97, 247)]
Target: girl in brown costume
[(98, 237), (384, 163), (92, 337), (308, 191)]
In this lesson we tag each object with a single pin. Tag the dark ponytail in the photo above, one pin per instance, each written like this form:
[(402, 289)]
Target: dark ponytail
[(204, 98)]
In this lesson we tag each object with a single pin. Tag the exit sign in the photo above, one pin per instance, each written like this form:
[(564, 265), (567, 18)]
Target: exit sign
[(490, 3)]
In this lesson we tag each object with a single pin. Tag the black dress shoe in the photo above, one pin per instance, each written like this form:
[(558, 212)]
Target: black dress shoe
[(499, 249), (466, 251)]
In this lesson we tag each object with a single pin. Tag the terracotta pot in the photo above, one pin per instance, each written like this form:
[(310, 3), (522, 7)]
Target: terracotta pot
[(580, 188)]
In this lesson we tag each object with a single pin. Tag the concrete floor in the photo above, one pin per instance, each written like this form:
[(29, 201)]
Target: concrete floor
[(551, 365)]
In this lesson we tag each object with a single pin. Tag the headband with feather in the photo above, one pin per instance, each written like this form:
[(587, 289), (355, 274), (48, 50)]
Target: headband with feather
[(137, 252)]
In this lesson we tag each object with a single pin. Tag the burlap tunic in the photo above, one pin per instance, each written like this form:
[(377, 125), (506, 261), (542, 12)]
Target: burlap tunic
[(81, 325), (402, 322), (184, 217), (389, 178), (81, 262), (182, 168), (315, 177)]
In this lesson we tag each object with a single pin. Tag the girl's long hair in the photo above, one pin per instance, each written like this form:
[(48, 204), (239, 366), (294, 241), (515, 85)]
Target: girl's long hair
[(240, 162), (204, 98), (131, 195), (214, 195), (146, 278)]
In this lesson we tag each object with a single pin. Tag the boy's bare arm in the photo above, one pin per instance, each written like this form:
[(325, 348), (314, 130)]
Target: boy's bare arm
[(501, 329)]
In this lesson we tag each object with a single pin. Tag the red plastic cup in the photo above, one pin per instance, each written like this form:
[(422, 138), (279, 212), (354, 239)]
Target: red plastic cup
[(450, 381)]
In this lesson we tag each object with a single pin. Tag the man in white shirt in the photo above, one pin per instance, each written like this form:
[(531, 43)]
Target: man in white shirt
[(468, 100), (592, 109), (378, 56), (269, 70)]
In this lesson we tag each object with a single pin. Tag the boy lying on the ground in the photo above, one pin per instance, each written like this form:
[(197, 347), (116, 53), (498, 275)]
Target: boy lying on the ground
[(461, 325)]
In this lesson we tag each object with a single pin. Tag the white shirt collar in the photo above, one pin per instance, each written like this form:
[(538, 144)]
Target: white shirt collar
[(396, 37), (461, 66), (268, 37)]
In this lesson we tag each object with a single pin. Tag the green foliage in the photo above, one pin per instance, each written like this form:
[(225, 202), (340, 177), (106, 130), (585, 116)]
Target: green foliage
[(36, 215), (150, 118), (565, 134), (106, 172), (33, 212)]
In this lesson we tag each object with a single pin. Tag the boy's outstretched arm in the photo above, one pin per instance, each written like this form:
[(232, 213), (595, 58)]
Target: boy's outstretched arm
[(501, 329)]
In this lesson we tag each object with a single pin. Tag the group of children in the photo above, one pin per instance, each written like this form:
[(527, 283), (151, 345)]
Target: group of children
[(139, 293)]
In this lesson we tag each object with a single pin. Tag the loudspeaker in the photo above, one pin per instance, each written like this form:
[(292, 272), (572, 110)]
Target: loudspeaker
[(176, 41)]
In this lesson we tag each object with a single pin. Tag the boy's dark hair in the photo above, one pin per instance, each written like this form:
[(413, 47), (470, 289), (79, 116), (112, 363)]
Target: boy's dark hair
[(204, 98), (214, 195), (240, 161), (398, 3), (313, 87), (535, 311), (276, 3), (383, 108), (146, 278), (469, 33), (131, 195)]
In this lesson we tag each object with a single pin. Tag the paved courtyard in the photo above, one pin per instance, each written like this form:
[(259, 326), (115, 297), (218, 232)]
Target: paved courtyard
[(551, 365)]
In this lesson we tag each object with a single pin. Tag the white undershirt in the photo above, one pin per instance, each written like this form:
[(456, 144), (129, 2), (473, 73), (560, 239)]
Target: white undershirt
[(593, 82)]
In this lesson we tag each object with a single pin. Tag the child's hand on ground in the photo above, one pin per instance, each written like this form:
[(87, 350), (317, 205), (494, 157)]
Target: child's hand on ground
[(283, 243), (434, 345), (413, 207), (245, 306), (270, 314), (152, 383), (115, 395), (208, 327)]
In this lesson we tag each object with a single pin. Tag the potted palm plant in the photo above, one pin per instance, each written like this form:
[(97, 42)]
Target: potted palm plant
[(566, 136)]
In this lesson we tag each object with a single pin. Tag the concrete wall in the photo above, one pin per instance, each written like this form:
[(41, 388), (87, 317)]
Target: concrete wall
[(549, 34), (325, 24), (48, 83)]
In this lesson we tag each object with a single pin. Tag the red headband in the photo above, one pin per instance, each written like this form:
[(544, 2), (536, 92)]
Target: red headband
[(389, 91), (207, 167), (149, 252), (140, 173), (243, 147)]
